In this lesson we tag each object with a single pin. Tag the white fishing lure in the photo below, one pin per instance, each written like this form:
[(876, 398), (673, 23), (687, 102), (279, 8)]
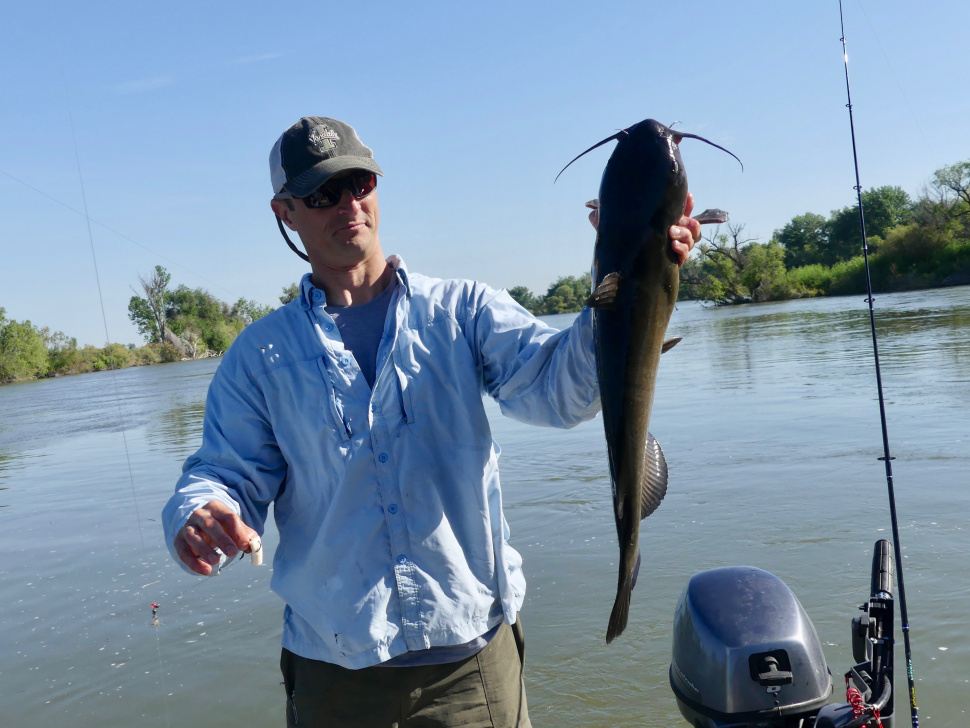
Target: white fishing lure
[(256, 551)]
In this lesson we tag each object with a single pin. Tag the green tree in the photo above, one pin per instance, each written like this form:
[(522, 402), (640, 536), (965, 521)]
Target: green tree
[(764, 273), (803, 239), (202, 322), (61, 351), (885, 208), (290, 293), (524, 297), (149, 314), (22, 351), (251, 310), (954, 182), (724, 258), (566, 295)]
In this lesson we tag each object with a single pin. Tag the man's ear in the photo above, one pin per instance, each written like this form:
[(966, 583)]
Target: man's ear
[(282, 210)]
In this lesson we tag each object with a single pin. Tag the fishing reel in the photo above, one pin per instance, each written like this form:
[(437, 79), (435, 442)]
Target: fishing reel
[(746, 655)]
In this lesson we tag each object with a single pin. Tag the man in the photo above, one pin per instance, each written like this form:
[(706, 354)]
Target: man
[(356, 410)]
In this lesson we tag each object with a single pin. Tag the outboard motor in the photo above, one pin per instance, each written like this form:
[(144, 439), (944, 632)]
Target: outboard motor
[(746, 655)]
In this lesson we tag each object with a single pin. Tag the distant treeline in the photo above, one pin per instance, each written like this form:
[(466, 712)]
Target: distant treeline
[(180, 323), (912, 243), (566, 295)]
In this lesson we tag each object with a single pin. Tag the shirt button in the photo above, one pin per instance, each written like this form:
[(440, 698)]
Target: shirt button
[(344, 362), (402, 559), (392, 509), (328, 327), (382, 457), (317, 294)]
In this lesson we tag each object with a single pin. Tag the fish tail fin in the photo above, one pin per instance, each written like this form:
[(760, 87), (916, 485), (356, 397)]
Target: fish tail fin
[(621, 611)]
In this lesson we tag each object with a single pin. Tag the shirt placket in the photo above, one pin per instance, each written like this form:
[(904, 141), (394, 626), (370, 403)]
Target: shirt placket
[(405, 571)]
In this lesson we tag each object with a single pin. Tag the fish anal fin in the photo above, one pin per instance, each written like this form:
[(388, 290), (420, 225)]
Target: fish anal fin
[(653, 487), (670, 343), (605, 294)]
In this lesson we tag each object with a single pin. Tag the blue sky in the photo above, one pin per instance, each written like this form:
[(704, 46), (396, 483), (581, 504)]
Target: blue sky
[(471, 109)]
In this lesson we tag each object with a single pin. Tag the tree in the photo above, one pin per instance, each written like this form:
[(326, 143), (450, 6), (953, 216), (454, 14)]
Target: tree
[(149, 314), (885, 208), (250, 310), (22, 351), (566, 295), (764, 273), (524, 297), (202, 322), (290, 293), (61, 351), (955, 181), (803, 239), (724, 258)]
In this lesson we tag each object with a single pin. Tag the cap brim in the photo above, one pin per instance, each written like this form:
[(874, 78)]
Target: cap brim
[(310, 180)]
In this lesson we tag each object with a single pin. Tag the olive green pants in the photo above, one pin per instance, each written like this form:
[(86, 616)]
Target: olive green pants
[(483, 691)]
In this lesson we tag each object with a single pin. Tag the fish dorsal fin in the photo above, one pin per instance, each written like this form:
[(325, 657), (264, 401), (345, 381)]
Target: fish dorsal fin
[(605, 294), (670, 344), (653, 488)]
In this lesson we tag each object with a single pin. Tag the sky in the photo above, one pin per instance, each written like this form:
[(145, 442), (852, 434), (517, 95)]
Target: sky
[(137, 134)]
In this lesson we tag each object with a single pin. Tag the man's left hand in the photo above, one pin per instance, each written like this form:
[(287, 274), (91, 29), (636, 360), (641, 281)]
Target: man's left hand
[(685, 233), (682, 236)]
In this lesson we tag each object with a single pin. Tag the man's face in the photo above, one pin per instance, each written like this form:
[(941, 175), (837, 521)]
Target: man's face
[(339, 237)]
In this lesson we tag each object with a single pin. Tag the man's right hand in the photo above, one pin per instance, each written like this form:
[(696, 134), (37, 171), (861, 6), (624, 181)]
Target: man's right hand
[(213, 525)]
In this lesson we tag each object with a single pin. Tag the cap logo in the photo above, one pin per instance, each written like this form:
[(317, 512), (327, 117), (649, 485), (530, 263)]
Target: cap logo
[(324, 139)]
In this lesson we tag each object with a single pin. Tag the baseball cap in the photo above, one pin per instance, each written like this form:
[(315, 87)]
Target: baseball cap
[(312, 151)]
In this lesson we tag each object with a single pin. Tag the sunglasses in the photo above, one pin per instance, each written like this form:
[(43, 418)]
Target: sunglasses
[(360, 184)]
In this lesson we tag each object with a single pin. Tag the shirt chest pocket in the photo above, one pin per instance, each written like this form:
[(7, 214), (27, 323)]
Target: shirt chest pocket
[(440, 387)]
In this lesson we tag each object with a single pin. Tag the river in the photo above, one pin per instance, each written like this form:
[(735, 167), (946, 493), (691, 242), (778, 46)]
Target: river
[(769, 419)]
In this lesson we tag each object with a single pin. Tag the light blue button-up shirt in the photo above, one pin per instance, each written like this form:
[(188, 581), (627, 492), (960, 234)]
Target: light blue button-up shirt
[(388, 504)]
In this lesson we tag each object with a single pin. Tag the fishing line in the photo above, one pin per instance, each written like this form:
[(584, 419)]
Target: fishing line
[(922, 136), (887, 458), (104, 318), (112, 230)]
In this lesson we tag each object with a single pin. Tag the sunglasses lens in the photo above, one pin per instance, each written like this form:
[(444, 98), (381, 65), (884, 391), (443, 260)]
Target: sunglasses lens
[(328, 194), (324, 196), (364, 184)]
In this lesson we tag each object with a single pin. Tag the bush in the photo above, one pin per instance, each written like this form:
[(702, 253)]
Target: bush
[(167, 353), (23, 353), (814, 280)]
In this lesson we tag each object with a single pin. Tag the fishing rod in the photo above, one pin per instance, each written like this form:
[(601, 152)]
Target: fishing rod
[(886, 458)]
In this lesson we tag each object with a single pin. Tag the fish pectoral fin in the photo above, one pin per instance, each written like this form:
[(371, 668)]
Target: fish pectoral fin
[(605, 294), (712, 215), (653, 488), (670, 344)]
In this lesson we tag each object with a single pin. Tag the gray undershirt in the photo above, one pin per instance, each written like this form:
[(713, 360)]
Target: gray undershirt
[(361, 328)]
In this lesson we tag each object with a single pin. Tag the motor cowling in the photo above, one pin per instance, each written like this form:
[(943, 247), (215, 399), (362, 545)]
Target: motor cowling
[(745, 652)]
